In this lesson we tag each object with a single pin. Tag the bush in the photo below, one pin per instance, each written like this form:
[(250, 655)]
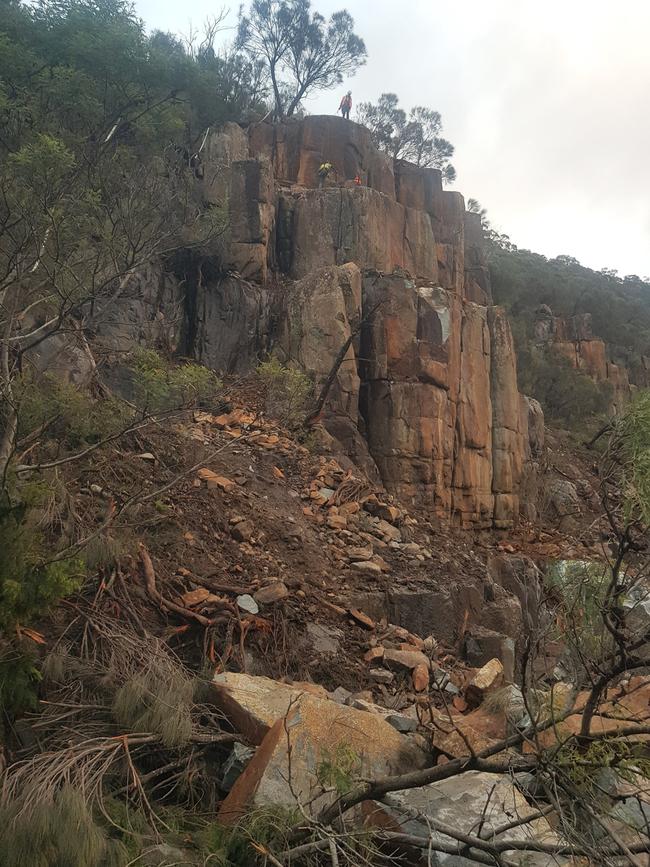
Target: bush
[(31, 580), (162, 386), (72, 415), (287, 391), (568, 396)]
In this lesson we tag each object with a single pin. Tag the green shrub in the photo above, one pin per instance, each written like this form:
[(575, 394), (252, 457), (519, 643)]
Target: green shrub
[(19, 681), (73, 416), (339, 769), (631, 455), (581, 587), (287, 391), (30, 579), (162, 386), (568, 396)]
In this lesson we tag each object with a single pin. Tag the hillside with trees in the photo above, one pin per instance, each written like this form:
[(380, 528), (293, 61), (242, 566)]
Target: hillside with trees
[(292, 571)]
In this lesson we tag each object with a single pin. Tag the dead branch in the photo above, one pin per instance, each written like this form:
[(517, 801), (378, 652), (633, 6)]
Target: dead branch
[(150, 583), (338, 361)]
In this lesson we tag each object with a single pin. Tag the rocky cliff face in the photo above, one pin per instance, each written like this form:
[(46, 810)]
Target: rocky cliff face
[(574, 339), (427, 395)]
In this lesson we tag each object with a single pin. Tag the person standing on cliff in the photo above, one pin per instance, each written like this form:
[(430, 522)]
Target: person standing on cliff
[(346, 105)]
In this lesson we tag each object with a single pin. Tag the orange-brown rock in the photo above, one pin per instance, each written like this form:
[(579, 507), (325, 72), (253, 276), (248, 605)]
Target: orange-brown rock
[(285, 768)]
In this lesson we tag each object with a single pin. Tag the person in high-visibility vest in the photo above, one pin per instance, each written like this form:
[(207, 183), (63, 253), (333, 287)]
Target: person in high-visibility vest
[(346, 105), (324, 172)]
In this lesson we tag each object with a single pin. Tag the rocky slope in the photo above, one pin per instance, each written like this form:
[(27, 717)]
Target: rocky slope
[(427, 395)]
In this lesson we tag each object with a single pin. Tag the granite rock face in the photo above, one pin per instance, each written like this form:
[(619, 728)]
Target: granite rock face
[(427, 392)]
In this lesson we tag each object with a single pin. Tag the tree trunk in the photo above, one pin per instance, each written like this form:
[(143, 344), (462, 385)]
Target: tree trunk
[(279, 108)]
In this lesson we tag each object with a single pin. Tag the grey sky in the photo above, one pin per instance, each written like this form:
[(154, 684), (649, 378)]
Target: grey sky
[(546, 103)]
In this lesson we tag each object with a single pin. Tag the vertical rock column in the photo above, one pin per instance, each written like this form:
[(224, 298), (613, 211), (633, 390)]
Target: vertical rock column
[(508, 446)]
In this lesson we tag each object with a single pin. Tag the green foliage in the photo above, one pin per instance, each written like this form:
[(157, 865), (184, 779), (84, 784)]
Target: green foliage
[(620, 308), (581, 587), (71, 414), (585, 766), (19, 681), (300, 51), (29, 584), (414, 136), (568, 396), (339, 769), (263, 828), (631, 447), (287, 391), (161, 385)]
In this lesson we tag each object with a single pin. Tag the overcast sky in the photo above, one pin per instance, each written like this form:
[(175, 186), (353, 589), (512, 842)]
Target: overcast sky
[(546, 103)]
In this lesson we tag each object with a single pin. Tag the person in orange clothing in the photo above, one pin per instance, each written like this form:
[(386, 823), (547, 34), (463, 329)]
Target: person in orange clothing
[(346, 105)]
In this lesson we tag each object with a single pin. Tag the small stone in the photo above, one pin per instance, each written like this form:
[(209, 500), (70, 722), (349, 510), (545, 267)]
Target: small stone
[(242, 532), (380, 675), (324, 639), (430, 645), (234, 765), (420, 678), (392, 534), (452, 689), (440, 678), (271, 593), (360, 554), (194, 597), (411, 548), (367, 566), (248, 604), (404, 660), (384, 511), (486, 680), (146, 456), (326, 493), (215, 481), (374, 653), (361, 618), (340, 694), (337, 522), (349, 509), (403, 724)]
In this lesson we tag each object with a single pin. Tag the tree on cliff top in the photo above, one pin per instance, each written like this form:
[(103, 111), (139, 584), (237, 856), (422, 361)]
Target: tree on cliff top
[(414, 136), (303, 51)]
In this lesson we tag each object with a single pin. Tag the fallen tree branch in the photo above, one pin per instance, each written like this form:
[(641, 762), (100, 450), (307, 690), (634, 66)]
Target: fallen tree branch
[(150, 583)]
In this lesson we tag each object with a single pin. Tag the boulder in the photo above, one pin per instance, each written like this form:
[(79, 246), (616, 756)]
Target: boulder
[(487, 679), (463, 803), (253, 704), (290, 763)]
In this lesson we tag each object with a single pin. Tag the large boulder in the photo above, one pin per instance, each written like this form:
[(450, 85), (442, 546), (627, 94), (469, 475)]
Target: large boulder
[(291, 764), (464, 803)]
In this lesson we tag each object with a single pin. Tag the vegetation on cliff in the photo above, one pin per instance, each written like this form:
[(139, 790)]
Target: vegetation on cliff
[(619, 307), (148, 533), (415, 137)]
